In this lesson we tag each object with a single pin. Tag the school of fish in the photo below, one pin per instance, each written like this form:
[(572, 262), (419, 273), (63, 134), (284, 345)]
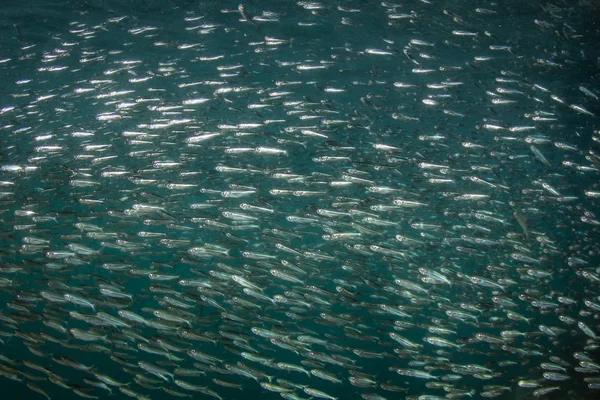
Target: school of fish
[(302, 200)]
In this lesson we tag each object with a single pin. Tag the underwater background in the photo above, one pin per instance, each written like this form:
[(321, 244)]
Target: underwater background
[(295, 199)]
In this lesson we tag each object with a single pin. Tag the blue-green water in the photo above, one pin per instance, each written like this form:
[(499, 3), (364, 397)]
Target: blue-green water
[(322, 152)]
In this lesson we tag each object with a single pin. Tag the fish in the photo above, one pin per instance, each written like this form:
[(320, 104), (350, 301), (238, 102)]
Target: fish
[(350, 201), (244, 12)]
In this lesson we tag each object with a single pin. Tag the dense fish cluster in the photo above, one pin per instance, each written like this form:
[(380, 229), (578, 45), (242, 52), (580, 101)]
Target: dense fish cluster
[(326, 200)]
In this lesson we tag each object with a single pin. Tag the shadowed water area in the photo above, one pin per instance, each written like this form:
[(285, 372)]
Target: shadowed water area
[(294, 199)]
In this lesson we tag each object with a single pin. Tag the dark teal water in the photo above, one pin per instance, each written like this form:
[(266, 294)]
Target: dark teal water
[(39, 35)]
